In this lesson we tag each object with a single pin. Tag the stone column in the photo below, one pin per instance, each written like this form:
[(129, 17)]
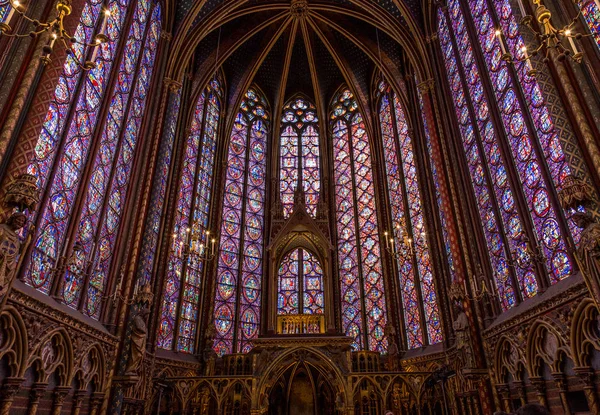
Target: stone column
[(37, 392), (7, 394), (96, 403), (561, 383), (60, 393), (539, 384), (78, 401), (504, 393), (520, 387), (586, 374)]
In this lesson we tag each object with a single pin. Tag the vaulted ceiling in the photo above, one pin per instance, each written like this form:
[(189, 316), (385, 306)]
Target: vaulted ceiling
[(299, 46)]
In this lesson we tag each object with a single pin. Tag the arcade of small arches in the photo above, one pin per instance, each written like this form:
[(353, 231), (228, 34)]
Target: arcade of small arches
[(304, 207)]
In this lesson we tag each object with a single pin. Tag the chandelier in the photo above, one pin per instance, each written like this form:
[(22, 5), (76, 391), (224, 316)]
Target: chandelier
[(562, 40), (56, 31)]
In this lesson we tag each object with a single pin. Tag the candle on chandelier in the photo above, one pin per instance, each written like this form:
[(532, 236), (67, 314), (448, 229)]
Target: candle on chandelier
[(522, 8), (212, 249), (387, 240), (527, 58), (501, 41), (15, 7), (570, 36)]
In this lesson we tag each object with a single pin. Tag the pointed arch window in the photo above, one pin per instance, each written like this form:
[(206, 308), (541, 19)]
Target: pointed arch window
[(590, 9), (75, 170), (240, 260), (415, 270), (361, 276), (300, 284), (184, 270), (299, 152), (516, 157)]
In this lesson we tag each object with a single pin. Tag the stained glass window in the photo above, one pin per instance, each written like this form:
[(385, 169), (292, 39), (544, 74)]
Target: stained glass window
[(591, 13), (190, 237), (492, 151), (300, 284), (240, 256), (4, 9), (409, 232), (299, 149), (361, 277), (109, 161)]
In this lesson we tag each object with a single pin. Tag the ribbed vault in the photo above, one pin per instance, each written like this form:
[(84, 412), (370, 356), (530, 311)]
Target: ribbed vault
[(299, 46)]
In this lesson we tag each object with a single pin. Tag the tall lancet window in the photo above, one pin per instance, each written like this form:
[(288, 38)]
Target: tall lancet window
[(515, 160), (184, 265), (415, 270), (300, 284), (359, 253), (591, 13), (299, 150), (86, 183), (240, 257)]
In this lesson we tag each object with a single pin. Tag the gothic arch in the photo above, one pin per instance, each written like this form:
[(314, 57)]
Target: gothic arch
[(508, 359), (293, 356), (584, 336), (53, 353), (14, 343), (545, 344)]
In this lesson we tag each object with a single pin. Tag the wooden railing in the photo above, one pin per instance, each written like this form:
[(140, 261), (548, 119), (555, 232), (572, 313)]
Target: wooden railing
[(301, 324)]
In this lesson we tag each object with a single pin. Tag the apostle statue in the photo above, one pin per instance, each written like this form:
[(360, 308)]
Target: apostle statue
[(139, 334), (463, 338), (10, 247), (588, 252), (390, 333)]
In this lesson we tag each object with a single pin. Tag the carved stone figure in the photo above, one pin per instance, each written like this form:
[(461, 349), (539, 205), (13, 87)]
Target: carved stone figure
[(209, 355), (390, 333), (463, 338), (139, 334), (588, 252), (10, 246)]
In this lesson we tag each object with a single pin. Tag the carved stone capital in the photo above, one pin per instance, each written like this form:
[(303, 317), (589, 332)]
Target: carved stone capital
[(586, 374), (426, 86)]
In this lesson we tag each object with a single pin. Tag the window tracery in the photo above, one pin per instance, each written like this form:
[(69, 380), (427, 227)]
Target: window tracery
[(71, 166), (516, 157), (300, 284), (299, 149), (184, 268), (359, 253), (240, 259), (418, 297)]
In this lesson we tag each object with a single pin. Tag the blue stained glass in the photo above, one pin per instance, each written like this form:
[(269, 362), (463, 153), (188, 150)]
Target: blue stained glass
[(64, 187), (591, 13)]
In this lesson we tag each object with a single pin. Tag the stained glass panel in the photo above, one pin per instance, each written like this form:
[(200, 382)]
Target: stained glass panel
[(521, 139), (103, 163), (361, 277), (54, 216), (591, 13), (299, 155), (300, 284), (240, 255)]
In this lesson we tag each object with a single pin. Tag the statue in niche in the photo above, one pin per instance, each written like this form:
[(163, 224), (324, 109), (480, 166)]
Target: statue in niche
[(139, 334), (390, 334), (463, 338), (209, 355), (10, 248), (588, 252)]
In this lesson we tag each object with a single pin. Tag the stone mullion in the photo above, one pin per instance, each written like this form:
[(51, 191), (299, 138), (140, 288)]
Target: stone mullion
[(471, 221), (580, 128), (394, 302), (536, 144), (429, 224), (87, 177), (177, 184), (164, 238), (514, 181), (155, 109), (217, 192), (489, 181)]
